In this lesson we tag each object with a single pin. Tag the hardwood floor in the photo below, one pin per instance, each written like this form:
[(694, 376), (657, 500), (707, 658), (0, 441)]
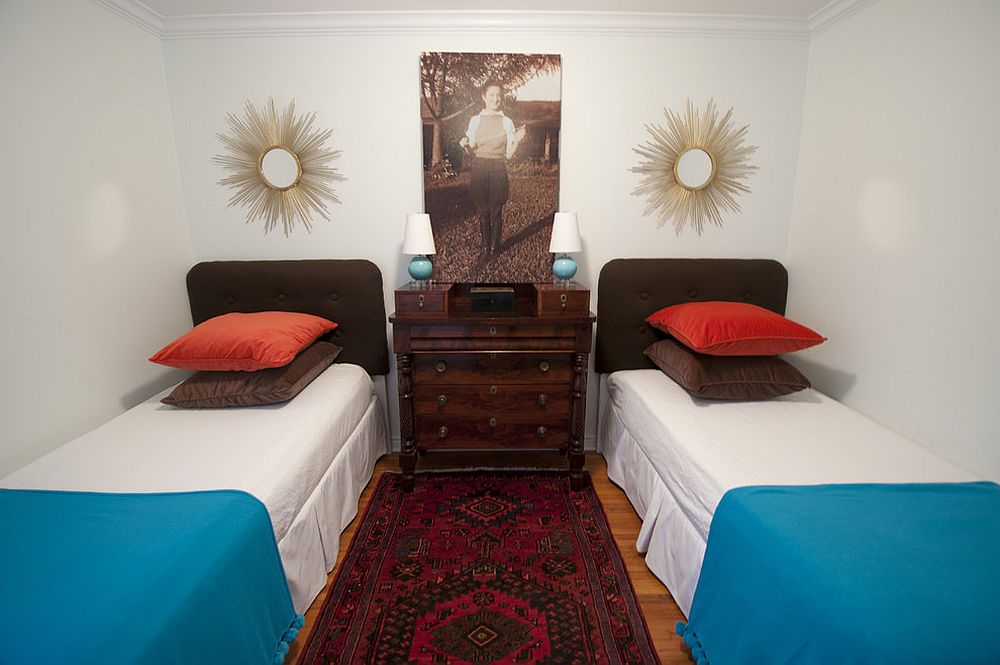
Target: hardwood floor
[(659, 608)]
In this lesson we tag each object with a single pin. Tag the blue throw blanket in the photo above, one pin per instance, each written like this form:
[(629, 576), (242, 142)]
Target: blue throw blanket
[(141, 578), (850, 574)]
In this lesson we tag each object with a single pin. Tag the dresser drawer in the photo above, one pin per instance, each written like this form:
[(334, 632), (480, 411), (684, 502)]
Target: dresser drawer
[(490, 331), (491, 367), (491, 431), (431, 301), (527, 400)]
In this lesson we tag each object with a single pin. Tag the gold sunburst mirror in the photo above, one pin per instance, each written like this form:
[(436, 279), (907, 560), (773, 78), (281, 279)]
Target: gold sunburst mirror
[(279, 166), (694, 167)]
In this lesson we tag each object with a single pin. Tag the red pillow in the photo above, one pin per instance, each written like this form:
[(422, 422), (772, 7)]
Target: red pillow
[(243, 342), (733, 329)]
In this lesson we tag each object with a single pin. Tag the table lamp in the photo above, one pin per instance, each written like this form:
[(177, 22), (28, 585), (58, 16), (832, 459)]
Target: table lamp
[(565, 239), (419, 241)]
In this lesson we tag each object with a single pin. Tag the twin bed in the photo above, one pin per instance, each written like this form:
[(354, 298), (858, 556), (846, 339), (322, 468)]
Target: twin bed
[(306, 460), (677, 456)]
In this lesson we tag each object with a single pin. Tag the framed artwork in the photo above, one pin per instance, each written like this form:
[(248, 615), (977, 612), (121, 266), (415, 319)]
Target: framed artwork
[(491, 163)]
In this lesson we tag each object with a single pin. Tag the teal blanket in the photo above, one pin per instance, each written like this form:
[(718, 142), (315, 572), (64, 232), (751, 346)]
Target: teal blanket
[(141, 578), (850, 574)]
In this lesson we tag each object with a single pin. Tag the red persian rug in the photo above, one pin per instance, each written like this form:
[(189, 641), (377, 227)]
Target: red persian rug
[(481, 567)]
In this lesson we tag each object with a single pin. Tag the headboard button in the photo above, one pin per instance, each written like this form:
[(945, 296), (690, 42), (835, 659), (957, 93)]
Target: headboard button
[(642, 329), (281, 297), (334, 296), (692, 293), (230, 299), (644, 296), (748, 296)]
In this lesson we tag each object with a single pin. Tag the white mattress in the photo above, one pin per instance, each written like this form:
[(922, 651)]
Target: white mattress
[(676, 455), (282, 454)]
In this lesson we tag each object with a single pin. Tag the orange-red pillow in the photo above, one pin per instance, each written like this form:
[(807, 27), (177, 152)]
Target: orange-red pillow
[(243, 342), (733, 329)]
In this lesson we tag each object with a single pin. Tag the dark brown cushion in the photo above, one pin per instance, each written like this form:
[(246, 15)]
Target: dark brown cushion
[(725, 377), (266, 386)]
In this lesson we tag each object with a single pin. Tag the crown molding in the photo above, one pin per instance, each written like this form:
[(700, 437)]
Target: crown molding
[(834, 12), (135, 13), (481, 22), (387, 23)]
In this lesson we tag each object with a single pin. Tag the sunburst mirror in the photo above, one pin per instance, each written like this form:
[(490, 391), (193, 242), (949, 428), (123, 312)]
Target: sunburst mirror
[(694, 167), (279, 166)]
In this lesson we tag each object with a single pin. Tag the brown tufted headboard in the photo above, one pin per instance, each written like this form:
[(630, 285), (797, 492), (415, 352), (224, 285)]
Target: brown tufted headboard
[(348, 291), (629, 290)]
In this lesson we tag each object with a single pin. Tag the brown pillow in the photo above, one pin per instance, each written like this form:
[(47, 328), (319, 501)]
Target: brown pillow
[(725, 377), (266, 386)]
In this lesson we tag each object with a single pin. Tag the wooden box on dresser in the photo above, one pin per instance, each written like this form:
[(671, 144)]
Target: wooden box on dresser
[(472, 379)]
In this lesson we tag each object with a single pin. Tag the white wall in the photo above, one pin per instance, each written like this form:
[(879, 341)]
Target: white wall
[(366, 88), (895, 230), (95, 239)]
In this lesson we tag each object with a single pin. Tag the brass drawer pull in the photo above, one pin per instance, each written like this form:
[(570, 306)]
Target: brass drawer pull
[(543, 399), (493, 390), (542, 432), (493, 422), (420, 301), (441, 366), (442, 400), (442, 432), (562, 300), (493, 330), (544, 365)]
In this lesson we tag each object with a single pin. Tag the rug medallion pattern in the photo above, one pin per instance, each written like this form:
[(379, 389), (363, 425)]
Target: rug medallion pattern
[(481, 567)]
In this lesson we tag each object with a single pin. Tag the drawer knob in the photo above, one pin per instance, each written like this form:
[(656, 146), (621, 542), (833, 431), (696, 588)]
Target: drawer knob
[(442, 432), (562, 300), (420, 301), (493, 422), (544, 365), (493, 330), (493, 390), (442, 400), (441, 366), (542, 432), (543, 399)]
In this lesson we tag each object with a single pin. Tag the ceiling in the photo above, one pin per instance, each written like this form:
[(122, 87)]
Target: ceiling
[(765, 8)]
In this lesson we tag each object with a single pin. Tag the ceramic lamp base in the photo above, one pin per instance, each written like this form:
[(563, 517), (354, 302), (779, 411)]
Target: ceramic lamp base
[(563, 268), (420, 268)]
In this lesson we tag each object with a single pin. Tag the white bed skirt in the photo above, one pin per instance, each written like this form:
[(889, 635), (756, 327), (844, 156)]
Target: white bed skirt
[(310, 547), (673, 548)]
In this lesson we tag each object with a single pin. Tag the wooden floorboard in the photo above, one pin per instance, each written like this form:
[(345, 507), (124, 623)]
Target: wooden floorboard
[(659, 608)]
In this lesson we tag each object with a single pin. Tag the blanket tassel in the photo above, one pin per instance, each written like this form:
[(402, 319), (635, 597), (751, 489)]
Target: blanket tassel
[(698, 654), (288, 638)]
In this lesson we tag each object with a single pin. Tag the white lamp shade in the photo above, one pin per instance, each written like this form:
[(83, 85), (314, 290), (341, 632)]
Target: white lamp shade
[(417, 237), (565, 234)]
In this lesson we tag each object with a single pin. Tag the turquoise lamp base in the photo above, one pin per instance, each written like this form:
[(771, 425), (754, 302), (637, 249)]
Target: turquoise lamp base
[(563, 268), (420, 268)]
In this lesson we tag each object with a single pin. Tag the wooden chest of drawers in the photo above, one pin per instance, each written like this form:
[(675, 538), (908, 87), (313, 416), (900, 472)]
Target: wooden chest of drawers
[(476, 380)]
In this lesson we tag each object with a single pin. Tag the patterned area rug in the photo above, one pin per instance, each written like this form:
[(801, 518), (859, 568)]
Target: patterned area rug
[(481, 567)]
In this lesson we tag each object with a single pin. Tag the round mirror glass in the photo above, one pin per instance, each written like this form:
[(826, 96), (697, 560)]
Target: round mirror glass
[(694, 168), (280, 168)]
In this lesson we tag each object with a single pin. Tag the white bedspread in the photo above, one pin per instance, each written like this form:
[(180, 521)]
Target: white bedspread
[(307, 460), (277, 453), (676, 455)]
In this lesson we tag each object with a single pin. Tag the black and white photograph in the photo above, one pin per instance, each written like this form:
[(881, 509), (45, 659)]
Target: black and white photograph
[(491, 163)]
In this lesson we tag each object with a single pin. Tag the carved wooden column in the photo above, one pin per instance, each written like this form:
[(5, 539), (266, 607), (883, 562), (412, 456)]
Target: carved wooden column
[(578, 421), (407, 446)]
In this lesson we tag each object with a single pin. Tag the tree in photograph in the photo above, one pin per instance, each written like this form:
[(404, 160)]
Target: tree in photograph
[(450, 83)]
